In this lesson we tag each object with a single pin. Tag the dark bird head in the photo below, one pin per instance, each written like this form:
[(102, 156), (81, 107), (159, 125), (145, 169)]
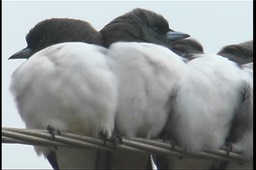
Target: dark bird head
[(140, 25), (240, 53), (187, 48), (58, 30)]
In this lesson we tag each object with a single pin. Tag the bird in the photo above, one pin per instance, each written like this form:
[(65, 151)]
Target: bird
[(187, 47), (61, 87), (241, 134), (241, 53), (59, 30), (146, 78), (137, 106), (138, 25), (241, 120), (44, 34), (240, 137), (205, 103)]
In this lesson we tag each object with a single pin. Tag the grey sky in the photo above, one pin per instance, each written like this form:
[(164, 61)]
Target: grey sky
[(213, 23)]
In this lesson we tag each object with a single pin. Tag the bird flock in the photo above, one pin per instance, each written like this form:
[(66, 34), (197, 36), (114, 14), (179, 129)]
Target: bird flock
[(136, 77)]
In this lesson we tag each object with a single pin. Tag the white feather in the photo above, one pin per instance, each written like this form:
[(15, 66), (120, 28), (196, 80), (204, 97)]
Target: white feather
[(206, 100), (70, 87), (146, 74), (77, 87), (244, 143)]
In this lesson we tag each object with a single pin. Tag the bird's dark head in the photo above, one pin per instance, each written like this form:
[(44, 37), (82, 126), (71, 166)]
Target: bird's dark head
[(187, 48), (58, 30), (140, 25), (240, 53)]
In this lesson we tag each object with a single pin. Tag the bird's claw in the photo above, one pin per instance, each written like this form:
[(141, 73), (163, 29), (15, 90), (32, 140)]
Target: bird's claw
[(228, 148), (53, 131), (115, 139), (104, 137), (172, 142), (173, 145), (165, 138)]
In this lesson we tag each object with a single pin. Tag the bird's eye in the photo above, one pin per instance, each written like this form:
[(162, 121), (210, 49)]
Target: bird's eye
[(40, 40), (155, 29), (158, 30)]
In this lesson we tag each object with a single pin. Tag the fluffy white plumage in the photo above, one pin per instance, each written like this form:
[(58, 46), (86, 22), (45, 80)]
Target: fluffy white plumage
[(146, 75), (86, 89), (241, 133), (205, 103), (77, 87), (244, 133), (70, 87)]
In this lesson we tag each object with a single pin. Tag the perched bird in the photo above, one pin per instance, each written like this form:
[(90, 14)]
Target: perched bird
[(207, 97), (39, 48), (213, 77), (42, 35), (71, 88), (241, 134), (240, 137), (187, 48), (239, 122), (198, 90), (140, 25), (141, 97), (240, 53)]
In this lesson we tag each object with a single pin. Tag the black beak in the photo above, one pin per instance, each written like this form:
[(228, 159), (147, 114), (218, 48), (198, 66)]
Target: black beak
[(24, 53), (174, 35)]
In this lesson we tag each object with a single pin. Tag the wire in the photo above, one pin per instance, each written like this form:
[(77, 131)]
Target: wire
[(65, 139)]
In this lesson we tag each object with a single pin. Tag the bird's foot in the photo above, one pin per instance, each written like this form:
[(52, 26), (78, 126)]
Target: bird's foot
[(173, 144), (171, 141), (115, 139), (184, 152), (104, 136), (53, 131), (165, 138), (228, 147)]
